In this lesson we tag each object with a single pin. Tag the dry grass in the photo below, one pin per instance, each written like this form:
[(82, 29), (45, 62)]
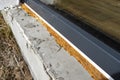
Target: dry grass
[(12, 65)]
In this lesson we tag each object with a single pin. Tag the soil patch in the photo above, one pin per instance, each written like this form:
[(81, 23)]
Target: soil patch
[(12, 64)]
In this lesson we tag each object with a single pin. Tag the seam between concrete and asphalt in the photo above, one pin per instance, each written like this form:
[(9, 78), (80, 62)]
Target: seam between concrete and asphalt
[(45, 58)]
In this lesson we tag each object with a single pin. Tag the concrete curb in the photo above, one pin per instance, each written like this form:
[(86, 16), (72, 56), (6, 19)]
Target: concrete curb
[(45, 58), (32, 59)]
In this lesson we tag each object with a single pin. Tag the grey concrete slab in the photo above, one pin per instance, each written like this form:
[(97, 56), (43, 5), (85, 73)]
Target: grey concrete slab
[(45, 58)]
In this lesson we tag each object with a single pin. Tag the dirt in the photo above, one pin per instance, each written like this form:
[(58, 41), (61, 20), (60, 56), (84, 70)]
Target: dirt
[(12, 64)]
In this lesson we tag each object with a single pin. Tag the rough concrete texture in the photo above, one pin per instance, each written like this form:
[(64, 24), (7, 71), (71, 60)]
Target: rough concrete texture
[(46, 59), (8, 3)]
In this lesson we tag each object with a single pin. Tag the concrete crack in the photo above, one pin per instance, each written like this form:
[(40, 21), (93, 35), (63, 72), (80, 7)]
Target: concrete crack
[(12, 19), (47, 72), (59, 49)]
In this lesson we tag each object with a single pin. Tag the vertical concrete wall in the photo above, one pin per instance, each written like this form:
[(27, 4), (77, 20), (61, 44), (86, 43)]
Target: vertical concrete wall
[(8, 3)]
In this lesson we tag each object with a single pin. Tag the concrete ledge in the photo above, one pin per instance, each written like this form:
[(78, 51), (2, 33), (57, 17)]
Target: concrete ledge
[(45, 58)]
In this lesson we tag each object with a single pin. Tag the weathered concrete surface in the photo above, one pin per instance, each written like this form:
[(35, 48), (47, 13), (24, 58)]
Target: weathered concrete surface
[(46, 59), (8, 3)]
